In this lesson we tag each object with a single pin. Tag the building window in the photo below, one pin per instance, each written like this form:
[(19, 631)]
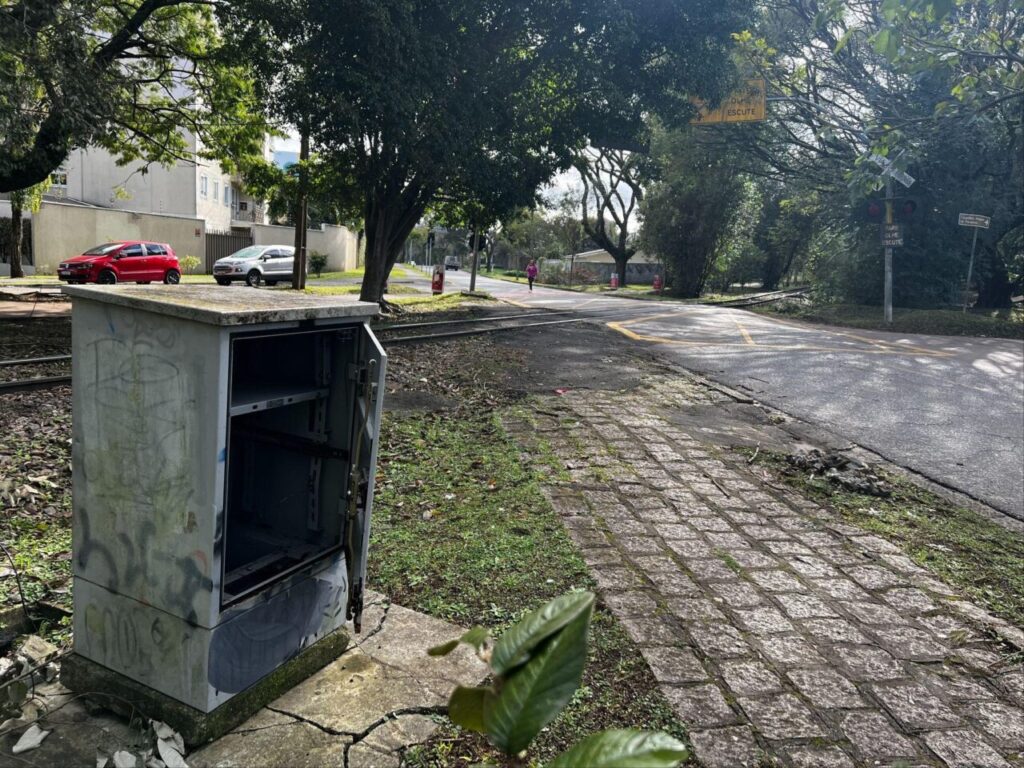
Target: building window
[(203, 181), (216, 191), (59, 178), (227, 193)]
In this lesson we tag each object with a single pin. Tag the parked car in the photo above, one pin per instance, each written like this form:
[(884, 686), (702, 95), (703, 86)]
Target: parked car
[(269, 263), (137, 261)]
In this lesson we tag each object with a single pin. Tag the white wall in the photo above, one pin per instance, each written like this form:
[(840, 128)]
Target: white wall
[(60, 230), (339, 243), (94, 177)]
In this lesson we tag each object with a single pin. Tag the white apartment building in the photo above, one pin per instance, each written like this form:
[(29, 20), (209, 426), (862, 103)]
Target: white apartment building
[(202, 189)]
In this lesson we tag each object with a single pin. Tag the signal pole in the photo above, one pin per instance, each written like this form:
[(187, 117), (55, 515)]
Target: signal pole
[(888, 251)]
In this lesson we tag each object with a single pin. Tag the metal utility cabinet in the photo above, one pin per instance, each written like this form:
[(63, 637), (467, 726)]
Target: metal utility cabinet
[(224, 449)]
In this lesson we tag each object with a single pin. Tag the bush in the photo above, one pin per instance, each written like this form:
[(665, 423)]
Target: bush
[(189, 263), (317, 262)]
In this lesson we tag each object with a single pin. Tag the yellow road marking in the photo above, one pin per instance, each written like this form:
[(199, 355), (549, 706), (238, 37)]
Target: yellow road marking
[(743, 332), (866, 339), (619, 327)]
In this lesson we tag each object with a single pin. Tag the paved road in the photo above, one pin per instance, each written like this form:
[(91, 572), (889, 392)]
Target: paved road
[(950, 408)]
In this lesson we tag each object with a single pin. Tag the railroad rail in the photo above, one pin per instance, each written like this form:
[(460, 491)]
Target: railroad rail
[(394, 333), (755, 299), (386, 333)]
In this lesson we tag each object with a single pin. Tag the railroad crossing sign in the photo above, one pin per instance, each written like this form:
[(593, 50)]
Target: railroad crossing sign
[(892, 235), (743, 106), (974, 220), (889, 169)]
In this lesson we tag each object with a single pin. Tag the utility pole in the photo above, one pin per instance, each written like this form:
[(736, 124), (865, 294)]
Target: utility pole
[(888, 251), (476, 249), (301, 214)]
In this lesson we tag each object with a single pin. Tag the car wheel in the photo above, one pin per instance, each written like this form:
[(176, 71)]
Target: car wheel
[(253, 278), (106, 277), (222, 281), (173, 277)]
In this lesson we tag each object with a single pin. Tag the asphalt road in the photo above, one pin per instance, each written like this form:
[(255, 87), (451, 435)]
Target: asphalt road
[(950, 408)]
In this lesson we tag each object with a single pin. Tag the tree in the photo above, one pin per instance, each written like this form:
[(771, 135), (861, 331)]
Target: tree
[(530, 235), (934, 86), (125, 75), (570, 228), (419, 99), (612, 181), (23, 200), (687, 211)]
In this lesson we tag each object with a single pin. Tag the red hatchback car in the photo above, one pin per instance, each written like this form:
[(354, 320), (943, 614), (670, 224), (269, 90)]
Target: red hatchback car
[(137, 261)]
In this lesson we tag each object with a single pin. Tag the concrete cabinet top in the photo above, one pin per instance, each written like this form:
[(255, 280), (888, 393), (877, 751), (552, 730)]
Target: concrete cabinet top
[(222, 306)]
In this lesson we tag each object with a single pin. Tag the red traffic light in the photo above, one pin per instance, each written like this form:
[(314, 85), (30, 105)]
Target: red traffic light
[(875, 209), (906, 209)]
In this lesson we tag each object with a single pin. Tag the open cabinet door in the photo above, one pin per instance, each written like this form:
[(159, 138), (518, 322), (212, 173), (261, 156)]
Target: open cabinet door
[(368, 376)]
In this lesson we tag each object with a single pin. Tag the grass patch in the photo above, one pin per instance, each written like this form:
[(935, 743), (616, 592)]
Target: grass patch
[(441, 301), (461, 530), (942, 322), (396, 271), (346, 290), (982, 559)]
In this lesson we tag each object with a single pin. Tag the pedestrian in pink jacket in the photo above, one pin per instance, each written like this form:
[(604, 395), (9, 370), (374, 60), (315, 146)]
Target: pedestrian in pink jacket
[(531, 272)]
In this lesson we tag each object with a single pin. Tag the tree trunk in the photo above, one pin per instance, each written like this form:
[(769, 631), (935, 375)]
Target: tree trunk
[(16, 230), (620, 268), (390, 219)]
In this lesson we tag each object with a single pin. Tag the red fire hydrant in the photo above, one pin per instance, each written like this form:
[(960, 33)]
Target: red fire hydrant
[(658, 283), (437, 282), (615, 282)]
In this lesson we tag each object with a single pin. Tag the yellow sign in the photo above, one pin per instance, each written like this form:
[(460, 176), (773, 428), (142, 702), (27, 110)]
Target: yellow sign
[(746, 105)]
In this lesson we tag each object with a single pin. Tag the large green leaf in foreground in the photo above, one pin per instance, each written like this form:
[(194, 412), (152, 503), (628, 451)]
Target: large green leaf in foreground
[(623, 749), (513, 647), (535, 692)]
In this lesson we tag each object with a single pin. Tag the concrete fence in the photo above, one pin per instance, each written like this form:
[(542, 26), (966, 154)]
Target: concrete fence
[(60, 230)]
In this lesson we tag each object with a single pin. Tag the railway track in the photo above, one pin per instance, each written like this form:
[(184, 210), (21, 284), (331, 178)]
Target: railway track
[(755, 299), (388, 335), (398, 333)]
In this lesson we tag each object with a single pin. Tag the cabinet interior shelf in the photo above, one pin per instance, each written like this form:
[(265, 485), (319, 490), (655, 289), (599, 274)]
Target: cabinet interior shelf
[(266, 396)]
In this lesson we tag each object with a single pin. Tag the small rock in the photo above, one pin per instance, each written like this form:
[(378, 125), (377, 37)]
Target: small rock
[(37, 650)]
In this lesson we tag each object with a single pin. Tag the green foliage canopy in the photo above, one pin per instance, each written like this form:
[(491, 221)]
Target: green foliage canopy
[(126, 75)]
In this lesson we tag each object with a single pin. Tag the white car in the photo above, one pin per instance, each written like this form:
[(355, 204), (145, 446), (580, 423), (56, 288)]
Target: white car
[(269, 263)]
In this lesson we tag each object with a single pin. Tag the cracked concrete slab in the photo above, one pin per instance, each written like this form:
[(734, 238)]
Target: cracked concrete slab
[(380, 697)]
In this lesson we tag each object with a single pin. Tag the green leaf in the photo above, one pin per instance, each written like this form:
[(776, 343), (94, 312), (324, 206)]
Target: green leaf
[(844, 39), (880, 42), (466, 707), (476, 637), (443, 649), (535, 692), (624, 749), (514, 646), (891, 9)]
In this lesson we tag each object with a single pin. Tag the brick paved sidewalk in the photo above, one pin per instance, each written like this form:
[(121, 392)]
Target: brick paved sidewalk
[(780, 635)]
